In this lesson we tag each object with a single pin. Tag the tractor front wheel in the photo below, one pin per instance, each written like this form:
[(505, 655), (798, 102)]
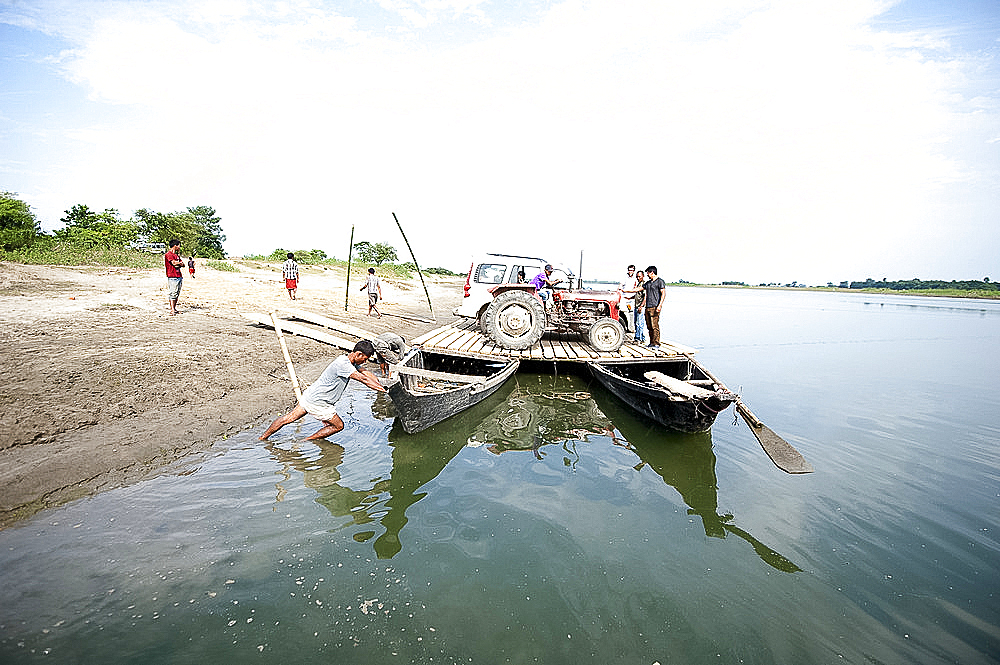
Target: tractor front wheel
[(606, 335)]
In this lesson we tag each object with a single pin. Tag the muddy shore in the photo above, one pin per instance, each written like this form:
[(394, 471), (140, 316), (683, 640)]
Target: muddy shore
[(103, 388)]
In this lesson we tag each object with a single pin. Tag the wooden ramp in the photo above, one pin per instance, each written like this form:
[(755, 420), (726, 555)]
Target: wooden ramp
[(464, 338)]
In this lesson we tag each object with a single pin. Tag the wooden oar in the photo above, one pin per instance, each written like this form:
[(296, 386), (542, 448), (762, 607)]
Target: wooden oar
[(288, 358), (782, 453)]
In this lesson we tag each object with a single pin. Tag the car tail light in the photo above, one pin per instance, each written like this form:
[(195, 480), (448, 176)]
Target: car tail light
[(467, 280)]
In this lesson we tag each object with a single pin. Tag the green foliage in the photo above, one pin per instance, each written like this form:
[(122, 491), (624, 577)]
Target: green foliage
[(306, 256), (412, 267), (926, 285), (18, 225), (48, 251), (221, 265), (91, 229), (377, 253), (197, 228), (210, 240)]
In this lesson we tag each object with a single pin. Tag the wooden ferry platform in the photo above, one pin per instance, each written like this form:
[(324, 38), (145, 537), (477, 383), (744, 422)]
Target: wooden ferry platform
[(464, 338)]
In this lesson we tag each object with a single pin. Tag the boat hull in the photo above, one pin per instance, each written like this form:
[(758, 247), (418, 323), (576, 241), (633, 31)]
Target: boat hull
[(418, 407), (675, 412)]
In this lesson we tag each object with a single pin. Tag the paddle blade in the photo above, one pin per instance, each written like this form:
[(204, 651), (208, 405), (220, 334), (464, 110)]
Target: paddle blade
[(784, 456)]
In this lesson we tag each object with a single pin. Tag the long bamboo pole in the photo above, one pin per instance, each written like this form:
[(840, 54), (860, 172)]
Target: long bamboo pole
[(426, 292), (288, 358), (347, 289)]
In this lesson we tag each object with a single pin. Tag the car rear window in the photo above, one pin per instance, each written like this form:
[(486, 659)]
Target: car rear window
[(491, 273), (529, 273)]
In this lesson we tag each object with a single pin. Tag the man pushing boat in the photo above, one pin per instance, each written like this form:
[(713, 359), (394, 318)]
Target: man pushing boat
[(320, 399)]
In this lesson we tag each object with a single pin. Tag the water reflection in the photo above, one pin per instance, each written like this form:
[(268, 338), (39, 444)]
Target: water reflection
[(532, 414), (686, 462), (318, 462)]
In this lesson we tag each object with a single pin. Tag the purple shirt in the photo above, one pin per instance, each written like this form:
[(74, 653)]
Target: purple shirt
[(538, 281)]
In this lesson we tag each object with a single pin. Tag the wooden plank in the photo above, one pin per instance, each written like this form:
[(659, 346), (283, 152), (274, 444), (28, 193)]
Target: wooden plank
[(477, 344), (471, 340), (431, 374), (302, 331), (327, 322), (584, 350), (677, 347), (677, 386), (435, 339), (426, 336), (451, 338)]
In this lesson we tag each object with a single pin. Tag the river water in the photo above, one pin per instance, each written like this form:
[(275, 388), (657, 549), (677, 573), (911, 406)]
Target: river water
[(550, 525)]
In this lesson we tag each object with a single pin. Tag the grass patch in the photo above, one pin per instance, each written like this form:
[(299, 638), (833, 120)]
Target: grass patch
[(221, 265), (70, 254)]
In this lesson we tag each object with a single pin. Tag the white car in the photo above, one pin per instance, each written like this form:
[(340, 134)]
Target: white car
[(490, 270)]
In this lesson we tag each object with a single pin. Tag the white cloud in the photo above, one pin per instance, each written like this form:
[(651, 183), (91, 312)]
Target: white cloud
[(742, 140)]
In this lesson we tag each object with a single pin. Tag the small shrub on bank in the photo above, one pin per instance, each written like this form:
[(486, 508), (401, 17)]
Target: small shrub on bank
[(221, 265), (52, 253)]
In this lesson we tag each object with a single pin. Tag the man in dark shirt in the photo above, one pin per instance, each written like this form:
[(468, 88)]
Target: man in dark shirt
[(655, 289)]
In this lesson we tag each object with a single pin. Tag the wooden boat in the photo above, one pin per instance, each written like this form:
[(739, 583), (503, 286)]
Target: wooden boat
[(674, 392), (433, 386)]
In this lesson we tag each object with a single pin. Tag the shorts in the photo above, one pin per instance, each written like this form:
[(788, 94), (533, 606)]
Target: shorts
[(291, 284), (174, 287), (372, 299), (322, 412)]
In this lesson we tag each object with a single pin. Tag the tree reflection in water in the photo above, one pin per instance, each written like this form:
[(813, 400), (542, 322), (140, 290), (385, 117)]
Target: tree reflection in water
[(532, 413)]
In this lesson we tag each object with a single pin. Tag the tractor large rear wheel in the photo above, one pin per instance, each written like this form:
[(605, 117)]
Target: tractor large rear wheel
[(515, 320), (606, 335)]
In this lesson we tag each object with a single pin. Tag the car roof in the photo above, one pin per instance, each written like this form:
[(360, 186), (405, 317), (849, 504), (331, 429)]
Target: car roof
[(557, 266)]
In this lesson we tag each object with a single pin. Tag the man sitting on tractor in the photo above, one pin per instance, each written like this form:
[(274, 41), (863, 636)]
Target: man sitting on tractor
[(543, 284)]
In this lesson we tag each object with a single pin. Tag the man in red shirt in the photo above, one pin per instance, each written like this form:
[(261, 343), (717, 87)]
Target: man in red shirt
[(173, 263)]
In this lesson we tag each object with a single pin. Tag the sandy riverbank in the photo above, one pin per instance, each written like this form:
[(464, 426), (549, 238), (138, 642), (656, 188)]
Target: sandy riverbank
[(103, 388)]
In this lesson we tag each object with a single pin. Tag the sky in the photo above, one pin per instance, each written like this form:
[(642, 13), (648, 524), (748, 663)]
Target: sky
[(727, 140)]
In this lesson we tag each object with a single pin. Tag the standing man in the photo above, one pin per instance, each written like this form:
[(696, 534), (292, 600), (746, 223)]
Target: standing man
[(655, 294), (627, 290), (320, 399), (173, 262), (191, 266), (374, 292), (640, 301), (290, 271)]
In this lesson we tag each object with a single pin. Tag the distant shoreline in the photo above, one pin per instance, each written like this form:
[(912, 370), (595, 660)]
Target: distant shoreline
[(935, 293)]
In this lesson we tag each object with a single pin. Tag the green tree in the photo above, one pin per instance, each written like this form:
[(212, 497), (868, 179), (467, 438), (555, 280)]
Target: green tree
[(96, 229), (211, 238), (18, 225), (198, 229), (377, 253)]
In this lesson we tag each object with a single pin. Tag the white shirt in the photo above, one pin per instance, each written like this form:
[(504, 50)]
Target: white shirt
[(630, 284)]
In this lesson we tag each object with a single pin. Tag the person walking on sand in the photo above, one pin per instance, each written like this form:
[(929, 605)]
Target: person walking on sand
[(191, 266), (175, 279), (320, 399), (374, 292), (290, 271), (655, 295)]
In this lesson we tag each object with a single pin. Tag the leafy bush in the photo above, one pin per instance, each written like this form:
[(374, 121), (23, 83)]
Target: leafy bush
[(47, 251), (221, 265)]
